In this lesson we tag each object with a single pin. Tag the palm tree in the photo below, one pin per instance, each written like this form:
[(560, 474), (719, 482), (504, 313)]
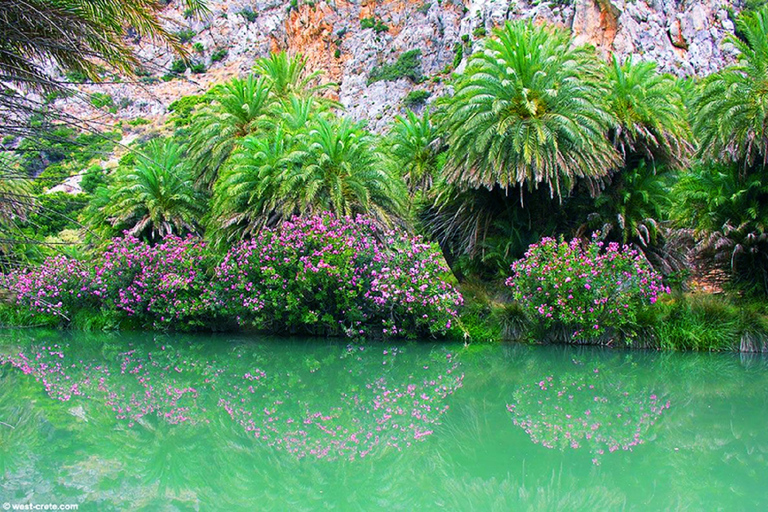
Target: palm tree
[(725, 204), (240, 108), (731, 109), (77, 36), (728, 214), (651, 120), (288, 75), (414, 146), (344, 172), (528, 110), (251, 192), (155, 197), (653, 136)]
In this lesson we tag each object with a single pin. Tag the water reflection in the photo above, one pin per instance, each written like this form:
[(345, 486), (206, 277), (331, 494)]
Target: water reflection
[(585, 407), (116, 422)]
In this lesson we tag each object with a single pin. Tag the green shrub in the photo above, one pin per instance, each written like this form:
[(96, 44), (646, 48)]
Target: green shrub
[(219, 55), (416, 98), (139, 121), (198, 47), (458, 55), (248, 14), (377, 25), (424, 8), (408, 65), (197, 67), (185, 35), (76, 77), (101, 100), (178, 66)]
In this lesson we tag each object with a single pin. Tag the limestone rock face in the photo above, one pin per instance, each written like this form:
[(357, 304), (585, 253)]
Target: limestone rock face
[(684, 36)]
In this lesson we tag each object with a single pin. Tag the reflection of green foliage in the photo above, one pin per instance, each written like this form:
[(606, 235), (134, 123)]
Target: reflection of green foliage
[(708, 452)]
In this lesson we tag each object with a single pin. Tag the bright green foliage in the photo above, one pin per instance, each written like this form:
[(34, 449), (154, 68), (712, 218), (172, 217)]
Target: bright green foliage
[(528, 110), (650, 114), (408, 65), (155, 197), (239, 109), (219, 55), (334, 167), (414, 145), (343, 172), (416, 98), (726, 205), (288, 75), (185, 35), (635, 204), (731, 110), (251, 192), (728, 212)]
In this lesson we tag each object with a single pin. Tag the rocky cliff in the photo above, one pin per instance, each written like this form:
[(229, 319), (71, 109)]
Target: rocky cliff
[(349, 38)]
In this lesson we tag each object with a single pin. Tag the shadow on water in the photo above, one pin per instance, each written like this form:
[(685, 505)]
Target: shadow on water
[(194, 422)]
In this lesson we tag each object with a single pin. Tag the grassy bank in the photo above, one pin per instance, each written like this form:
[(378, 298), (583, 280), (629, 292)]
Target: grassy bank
[(680, 321)]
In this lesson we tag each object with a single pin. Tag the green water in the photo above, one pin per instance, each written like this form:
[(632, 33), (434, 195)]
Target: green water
[(156, 422)]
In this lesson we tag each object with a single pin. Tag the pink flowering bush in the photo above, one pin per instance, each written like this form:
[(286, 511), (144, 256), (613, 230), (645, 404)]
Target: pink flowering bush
[(57, 287), (325, 275), (157, 285), (589, 289), (318, 275)]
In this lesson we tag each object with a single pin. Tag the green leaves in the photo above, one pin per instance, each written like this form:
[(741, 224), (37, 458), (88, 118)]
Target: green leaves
[(528, 110), (731, 107), (155, 197)]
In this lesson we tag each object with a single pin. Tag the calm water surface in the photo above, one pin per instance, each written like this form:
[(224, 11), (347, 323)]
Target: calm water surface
[(170, 422)]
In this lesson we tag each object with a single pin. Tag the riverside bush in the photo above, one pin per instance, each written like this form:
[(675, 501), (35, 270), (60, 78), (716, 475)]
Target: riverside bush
[(587, 289), (337, 276), (317, 275), (159, 285), (57, 287)]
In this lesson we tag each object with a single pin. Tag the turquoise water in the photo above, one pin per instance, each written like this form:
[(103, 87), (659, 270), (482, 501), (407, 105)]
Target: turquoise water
[(170, 422)]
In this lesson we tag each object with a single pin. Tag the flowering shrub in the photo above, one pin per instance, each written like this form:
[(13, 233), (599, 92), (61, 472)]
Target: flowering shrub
[(157, 284), (56, 287), (588, 288), (317, 275), (335, 276)]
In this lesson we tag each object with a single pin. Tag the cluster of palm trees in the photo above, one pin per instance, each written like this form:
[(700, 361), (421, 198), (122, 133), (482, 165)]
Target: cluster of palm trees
[(539, 137)]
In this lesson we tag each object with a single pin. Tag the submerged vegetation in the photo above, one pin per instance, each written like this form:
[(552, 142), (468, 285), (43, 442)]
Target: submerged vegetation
[(244, 216)]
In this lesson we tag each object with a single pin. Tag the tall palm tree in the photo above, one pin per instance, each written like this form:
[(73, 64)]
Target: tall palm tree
[(652, 134), (731, 109), (288, 75), (725, 204), (414, 145), (251, 192), (155, 197), (345, 173), (240, 108), (651, 120), (528, 110)]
